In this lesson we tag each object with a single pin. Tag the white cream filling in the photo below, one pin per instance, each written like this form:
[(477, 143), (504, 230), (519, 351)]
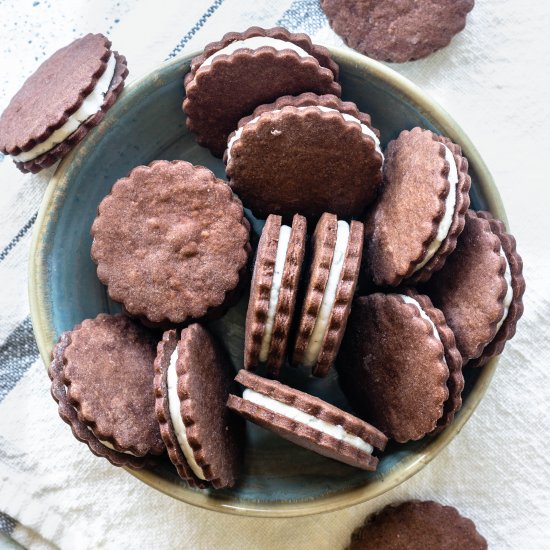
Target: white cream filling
[(423, 315), (315, 342), (90, 106), (349, 118), (335, 430), (255, 43), (280, 258), (509, 291), (446, 221), (174, 406)]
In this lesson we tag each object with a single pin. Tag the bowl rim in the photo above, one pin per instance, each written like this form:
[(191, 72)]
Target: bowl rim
[(408, 466)]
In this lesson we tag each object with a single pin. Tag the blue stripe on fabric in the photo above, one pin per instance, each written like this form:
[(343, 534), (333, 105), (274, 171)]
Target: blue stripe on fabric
[(7, 524), (303, 16), (196, 27), (21, 233), (17, 354)]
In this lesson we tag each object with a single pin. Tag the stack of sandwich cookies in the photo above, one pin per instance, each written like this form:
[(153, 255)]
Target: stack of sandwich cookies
[(243, 70), (58, 104), (399, 365), (102, 380), (480, 289), (273, 293), (334, 270), (170, 242), (192, 382), (307, 421), (294, 156)]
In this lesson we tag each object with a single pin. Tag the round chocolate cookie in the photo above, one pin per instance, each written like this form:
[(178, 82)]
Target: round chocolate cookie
[(307, 421), (243, 70), (417, 525), (397, 30), (419, 214), (480, 288), (57, 105), (273, 293), (334, 270), (399, 366), (308, 155), (193, 379), (102, 379), (170, 242)]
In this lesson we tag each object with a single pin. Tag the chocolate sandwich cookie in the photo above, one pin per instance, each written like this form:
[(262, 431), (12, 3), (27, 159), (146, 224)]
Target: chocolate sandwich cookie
[(102, 379), (397, 30), (480, 289), (420, 211), (243, 70), (399, 365), (58, 105), (294, 156), (307, 421), (333, 275), (417, 525), (193, 379), (273, 293), (170, 242)]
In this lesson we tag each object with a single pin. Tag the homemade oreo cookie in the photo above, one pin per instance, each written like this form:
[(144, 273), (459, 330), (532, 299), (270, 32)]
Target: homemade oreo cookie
[(102, 379), (308, 155), (57, 105), (480, 289), (397, 30), (307, 421), (243, 70), (170, 242), (334, 270), (193, 379), (399, 365), (273, 293), (419, 214)]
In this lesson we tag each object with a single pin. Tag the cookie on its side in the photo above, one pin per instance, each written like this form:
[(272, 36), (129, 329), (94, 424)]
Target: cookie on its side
[(102, 380), (399, 366), (170, 242), (334, 270), (307, 421), (273, 293), (308, 155), (243, 70), (419, 214), (57, 105), (480, 289), (193, 379), (417, 525)]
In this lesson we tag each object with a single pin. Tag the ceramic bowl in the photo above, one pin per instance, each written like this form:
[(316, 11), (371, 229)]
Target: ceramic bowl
[(147, 123)]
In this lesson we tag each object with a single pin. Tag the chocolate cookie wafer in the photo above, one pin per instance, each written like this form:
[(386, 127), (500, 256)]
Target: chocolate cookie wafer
[(480, 288), (102, 379), (193, 379), (307, 421), (308, 155), (334, 270), (395, 365), (243, 70), (273, 293), (57, 105)]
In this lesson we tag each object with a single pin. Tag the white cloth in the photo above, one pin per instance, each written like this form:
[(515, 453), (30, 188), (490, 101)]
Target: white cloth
[(493, 79)]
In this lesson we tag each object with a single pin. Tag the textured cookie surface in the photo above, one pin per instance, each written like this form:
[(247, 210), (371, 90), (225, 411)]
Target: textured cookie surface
[(170, 241), (411, 206), (397, 30), (102, 376), (218, 95), (303, 434), (296, 159), (391, 367)]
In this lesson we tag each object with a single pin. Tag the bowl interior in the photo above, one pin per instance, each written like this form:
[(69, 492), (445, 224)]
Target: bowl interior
[(147, 124)]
